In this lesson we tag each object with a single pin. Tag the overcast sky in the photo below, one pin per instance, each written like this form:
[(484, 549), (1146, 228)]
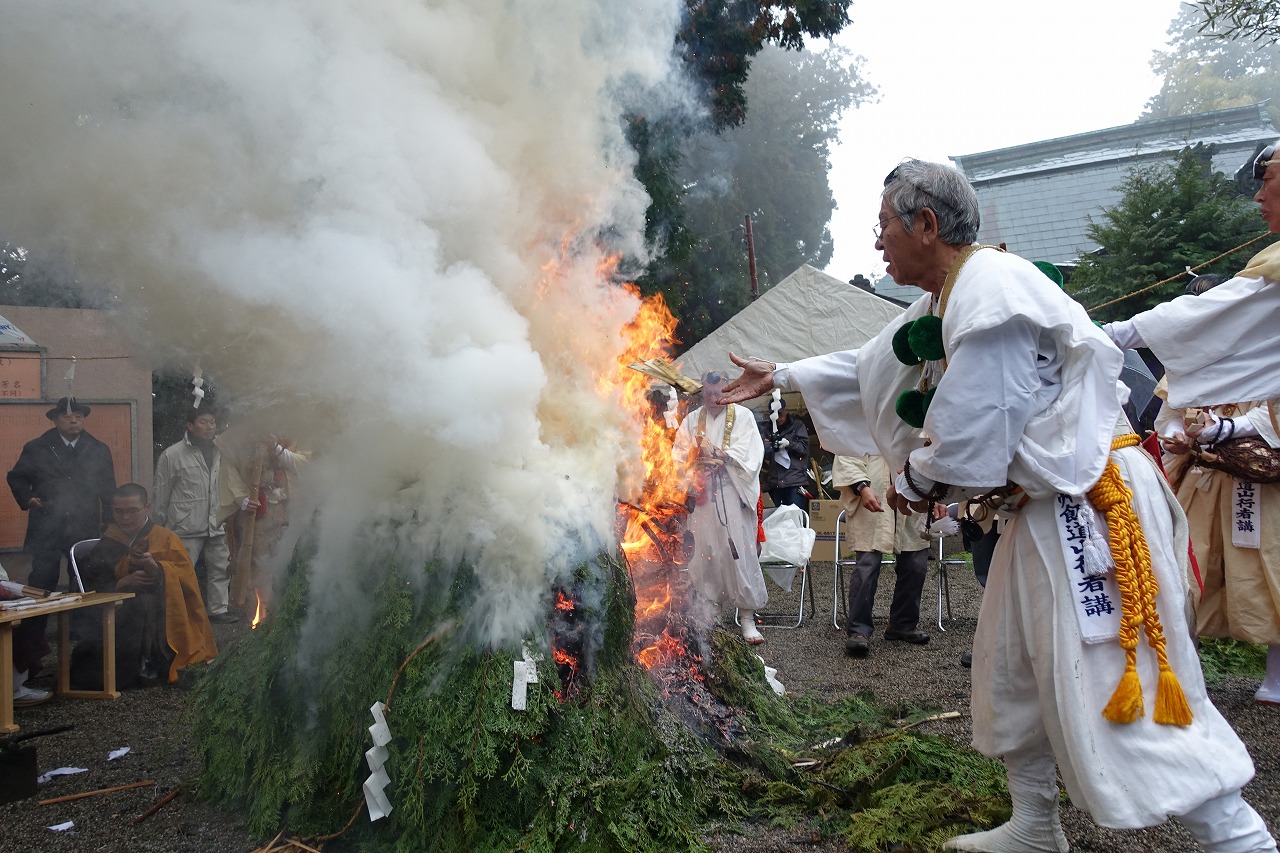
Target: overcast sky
[(960, 78)]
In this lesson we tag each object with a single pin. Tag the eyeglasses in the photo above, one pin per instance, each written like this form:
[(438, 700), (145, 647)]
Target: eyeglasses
[(1263, 160), (878, 230)]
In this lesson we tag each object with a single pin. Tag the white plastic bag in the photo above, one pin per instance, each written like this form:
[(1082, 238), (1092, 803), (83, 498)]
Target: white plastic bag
[(787, 539)]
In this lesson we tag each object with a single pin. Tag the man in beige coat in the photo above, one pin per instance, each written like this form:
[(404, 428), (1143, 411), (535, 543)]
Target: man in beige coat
[(862, 481)]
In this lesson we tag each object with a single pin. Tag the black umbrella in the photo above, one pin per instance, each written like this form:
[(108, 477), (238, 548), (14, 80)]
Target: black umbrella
[(1142, 389)]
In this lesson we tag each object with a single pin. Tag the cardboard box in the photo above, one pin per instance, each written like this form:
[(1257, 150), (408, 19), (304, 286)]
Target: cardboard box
[(822, 519)]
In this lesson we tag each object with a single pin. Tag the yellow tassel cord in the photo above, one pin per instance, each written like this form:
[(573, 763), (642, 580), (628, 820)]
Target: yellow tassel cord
[(1138, 588)]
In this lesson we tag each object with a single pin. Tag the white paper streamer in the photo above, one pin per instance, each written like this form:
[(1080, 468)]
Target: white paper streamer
[(375, 797), (61, 771), (524, 673), (63, 827), (118, 753)]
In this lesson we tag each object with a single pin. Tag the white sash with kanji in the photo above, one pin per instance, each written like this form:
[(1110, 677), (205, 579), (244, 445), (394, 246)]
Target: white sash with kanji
[(1096, 599), (1246, 504)]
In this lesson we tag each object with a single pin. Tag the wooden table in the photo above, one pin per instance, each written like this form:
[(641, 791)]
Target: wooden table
[(9, 619)]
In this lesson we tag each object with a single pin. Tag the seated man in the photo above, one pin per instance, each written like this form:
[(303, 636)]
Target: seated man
[(163, 628)]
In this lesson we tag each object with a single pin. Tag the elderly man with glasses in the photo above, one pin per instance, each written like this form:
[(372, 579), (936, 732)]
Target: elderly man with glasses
[(996, 389)]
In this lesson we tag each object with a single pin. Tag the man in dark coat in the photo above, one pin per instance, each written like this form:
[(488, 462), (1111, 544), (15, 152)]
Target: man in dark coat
[(64, 479), (786, 455)]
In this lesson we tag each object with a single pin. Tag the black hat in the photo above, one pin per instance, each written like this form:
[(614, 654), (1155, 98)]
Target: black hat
[(66, 406)]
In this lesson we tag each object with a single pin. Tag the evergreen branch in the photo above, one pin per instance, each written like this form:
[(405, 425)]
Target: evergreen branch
[(1188, 271)]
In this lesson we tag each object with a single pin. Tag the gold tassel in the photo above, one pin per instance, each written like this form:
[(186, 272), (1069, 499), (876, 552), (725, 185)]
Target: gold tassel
[(1138, 590), (1126, 702), (1171, 703)]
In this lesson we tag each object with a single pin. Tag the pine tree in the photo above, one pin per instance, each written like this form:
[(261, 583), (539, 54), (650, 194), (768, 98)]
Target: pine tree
[(1172, 216)]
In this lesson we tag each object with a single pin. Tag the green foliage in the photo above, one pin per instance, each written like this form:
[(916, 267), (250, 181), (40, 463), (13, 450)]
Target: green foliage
[(1215, 62), (282, 727), (720, 37), (773, 166), (1171, 216), (1221, 657), (1255, 20)]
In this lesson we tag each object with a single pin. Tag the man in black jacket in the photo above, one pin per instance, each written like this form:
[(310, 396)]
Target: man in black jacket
[(64, 479), (784, 481)]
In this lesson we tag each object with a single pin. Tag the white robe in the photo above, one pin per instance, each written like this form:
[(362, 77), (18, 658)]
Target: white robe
[(728, 512), (1032, 394), (1221, 345)]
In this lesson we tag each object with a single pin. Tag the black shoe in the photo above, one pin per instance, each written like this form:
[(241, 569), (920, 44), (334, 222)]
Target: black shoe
[(916, 638), (225, 617), (857, 645), (966, 660)]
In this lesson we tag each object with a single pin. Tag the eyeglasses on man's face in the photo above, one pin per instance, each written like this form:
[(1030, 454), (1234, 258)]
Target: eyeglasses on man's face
[(879, 229)]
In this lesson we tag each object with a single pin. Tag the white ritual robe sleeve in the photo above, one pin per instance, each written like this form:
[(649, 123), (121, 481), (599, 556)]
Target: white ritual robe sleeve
[(1223, 345), (991, 389), (850, 395), (1264, 421), (1169, 421), (746, 454)]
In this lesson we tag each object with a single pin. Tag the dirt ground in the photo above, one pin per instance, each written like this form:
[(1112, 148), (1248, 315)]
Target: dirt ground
[(810, 661)]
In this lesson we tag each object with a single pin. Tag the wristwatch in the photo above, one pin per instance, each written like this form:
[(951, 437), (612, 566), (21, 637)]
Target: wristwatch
[(859, 486)]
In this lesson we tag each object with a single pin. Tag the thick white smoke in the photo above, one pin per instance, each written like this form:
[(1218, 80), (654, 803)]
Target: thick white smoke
[(378, 219)]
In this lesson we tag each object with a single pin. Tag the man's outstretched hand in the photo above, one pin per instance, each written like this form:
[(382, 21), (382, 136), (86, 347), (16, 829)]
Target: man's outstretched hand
[(756, 380)]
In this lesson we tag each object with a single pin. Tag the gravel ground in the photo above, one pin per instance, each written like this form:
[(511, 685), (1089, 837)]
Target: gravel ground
[(810, 661)]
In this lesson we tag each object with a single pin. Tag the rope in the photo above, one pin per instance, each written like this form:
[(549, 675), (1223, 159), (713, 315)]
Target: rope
[(1187, 271), (1138, 590)]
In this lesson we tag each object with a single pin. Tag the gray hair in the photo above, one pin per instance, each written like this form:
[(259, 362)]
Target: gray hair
[(917, 184)]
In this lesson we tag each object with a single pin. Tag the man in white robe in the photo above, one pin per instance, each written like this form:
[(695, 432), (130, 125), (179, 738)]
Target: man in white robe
[(1042, 670), (1225, 343), (723, 452)]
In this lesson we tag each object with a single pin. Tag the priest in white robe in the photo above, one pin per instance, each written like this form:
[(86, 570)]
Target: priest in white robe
[(1225, 343), (721, 448), (1019, 397)]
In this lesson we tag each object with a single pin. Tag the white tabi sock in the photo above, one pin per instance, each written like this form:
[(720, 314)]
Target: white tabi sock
[(1270, 689), (1034, 827), (747, 619)]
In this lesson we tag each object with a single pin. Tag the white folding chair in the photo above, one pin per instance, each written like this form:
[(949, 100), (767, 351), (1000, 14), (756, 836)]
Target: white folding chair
[(79, 551), (775, 619)]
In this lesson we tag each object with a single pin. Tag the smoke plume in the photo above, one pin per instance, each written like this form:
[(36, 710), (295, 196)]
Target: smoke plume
[(378, 223)]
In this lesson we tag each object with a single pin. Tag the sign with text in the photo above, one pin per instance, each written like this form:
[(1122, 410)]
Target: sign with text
[(20, 376)]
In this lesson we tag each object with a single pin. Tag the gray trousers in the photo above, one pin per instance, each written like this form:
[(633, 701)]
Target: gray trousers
[(904, 612)]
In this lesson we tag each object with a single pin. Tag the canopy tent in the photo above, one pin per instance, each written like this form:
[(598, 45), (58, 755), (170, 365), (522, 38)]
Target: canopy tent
[(11, 335), (807, 313)]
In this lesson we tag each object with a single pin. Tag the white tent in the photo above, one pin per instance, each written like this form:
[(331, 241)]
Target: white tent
[(11, 335), (807, 313)]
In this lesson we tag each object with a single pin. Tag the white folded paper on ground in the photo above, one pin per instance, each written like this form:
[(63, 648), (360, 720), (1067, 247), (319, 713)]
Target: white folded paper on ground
[(61, 771)]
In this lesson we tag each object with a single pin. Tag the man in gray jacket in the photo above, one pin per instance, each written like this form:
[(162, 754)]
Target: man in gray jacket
[(185, 500)]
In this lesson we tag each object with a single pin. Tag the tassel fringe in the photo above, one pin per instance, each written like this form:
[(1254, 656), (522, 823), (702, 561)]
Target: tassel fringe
[(1171, 703), (1138, 589), (1126, 703)]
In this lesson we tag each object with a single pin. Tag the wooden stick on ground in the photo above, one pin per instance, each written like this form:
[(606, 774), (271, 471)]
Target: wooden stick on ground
[(112, 790), (157, 806)]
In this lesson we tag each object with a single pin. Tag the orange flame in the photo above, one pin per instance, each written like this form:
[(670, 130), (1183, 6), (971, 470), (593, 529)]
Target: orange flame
[(257, 613), (661, 483)]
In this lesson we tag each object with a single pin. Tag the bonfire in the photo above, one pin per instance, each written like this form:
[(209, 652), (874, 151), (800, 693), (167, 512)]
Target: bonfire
[(630, 726)]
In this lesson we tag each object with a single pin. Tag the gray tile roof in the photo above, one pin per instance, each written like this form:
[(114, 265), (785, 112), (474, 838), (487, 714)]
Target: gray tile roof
[(1038, 198)]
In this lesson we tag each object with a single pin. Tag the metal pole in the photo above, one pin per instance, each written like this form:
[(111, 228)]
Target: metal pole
[(751, 262)]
